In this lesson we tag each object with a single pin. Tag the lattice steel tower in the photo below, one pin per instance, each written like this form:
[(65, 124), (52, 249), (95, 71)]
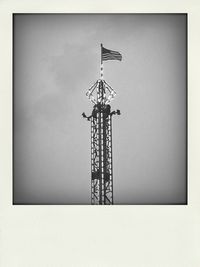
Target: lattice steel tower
[(101, 94)]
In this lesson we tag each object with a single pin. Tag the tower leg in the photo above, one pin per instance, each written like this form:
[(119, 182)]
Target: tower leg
[(101, 159)]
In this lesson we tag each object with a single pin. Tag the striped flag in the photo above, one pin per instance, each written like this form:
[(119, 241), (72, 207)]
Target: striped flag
[(107, 54)]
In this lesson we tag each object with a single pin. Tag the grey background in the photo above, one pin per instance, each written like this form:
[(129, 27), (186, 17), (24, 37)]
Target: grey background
[(56, 59)]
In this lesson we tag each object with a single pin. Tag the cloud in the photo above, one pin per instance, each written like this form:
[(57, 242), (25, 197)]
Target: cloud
[(73, 66)]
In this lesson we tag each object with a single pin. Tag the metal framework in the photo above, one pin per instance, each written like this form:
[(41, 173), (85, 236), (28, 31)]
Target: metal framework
[(101, 94)]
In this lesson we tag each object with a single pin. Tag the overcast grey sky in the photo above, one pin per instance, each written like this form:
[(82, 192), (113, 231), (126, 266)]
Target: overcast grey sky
[(56, 59)]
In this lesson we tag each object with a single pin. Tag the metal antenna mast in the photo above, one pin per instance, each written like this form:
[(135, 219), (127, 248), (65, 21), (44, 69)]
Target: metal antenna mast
[(101, 94)]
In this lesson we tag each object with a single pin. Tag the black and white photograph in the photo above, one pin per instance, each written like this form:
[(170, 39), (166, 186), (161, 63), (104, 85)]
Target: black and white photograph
[(100, 109), (99, 133)]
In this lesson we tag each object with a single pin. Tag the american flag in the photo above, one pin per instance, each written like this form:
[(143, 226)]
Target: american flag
[(110, 54)]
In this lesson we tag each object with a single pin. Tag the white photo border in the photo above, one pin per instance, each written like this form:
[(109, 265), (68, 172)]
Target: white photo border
[(128, 235)]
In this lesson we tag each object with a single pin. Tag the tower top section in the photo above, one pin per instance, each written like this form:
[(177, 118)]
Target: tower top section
[(101, 92)]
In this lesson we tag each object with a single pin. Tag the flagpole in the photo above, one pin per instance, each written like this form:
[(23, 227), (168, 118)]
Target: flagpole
[(101, 69)]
